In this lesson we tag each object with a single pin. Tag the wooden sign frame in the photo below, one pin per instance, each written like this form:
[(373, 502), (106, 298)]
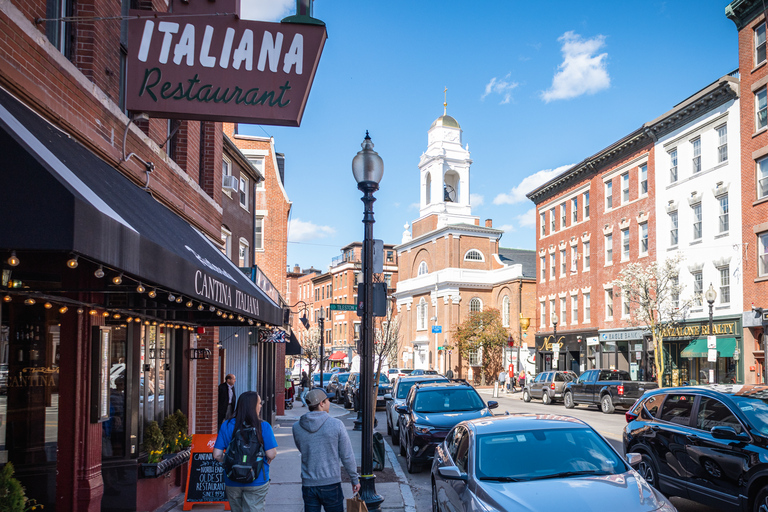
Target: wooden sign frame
[(201, 444)]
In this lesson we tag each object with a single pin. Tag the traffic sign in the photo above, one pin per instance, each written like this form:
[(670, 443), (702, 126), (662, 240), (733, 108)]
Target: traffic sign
[(437, 329), (343, 307)]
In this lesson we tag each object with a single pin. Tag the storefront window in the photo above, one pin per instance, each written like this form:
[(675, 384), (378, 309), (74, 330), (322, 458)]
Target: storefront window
[(156, 356), (113, 442)]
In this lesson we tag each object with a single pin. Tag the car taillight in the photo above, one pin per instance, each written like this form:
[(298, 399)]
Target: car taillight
[(620, 389), (630, 416), (552, 386)]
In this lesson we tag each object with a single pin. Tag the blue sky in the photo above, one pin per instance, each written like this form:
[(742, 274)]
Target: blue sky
[(536, 87)]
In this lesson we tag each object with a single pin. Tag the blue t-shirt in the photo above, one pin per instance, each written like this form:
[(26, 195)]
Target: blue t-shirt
[(225, 436)]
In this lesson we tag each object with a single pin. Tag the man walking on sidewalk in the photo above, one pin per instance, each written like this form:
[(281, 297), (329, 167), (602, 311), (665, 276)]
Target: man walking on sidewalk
[(324, 445)]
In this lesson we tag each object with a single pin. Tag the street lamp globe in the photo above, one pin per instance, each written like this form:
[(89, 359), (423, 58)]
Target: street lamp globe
[(367, 166), (554, 319), (710, 295)]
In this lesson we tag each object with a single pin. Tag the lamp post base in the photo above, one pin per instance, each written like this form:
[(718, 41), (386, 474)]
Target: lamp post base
[(368, 493)]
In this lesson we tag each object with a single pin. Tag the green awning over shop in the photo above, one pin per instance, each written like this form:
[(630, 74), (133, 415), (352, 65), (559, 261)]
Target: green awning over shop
[(698, 348)]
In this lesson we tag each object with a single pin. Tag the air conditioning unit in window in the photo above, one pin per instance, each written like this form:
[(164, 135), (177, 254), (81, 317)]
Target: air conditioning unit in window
[(230, 183)]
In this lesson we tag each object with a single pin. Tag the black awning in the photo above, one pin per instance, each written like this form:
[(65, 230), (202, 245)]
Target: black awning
[(293, 348), (58, 196)]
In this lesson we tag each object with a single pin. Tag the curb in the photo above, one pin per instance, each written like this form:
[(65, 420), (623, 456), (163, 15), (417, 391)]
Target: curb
[(405, 488)]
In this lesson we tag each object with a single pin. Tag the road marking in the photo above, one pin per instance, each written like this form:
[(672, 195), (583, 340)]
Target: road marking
[(405, 488)]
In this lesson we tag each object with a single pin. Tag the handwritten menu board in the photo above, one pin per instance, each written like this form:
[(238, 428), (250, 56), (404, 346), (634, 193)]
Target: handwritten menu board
[(205, 481)]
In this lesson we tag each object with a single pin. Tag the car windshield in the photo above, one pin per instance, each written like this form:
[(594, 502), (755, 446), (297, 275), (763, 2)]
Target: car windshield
[(447, 400), (755, 409), (343, 377), (405, 386), (326, 377), (383, 380), (541, 454)]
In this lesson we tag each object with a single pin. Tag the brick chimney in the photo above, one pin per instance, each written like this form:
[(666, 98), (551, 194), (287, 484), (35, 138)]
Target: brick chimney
[(489, 223), (297, 268)]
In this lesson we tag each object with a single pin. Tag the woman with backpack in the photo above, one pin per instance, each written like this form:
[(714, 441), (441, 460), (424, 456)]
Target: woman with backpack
[(246, 484)]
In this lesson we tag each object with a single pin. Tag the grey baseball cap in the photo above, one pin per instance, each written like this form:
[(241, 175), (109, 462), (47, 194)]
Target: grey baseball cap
[(315, 396)]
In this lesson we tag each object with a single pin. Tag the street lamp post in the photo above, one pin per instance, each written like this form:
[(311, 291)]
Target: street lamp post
[(711, 295), (555, 344), (368, 169), (321, 325), (523, 325)]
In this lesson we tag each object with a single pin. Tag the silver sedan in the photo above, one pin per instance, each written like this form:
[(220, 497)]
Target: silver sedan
[(535, 462)]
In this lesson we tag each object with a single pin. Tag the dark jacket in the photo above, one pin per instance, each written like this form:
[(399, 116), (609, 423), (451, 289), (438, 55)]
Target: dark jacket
[(224, 400)]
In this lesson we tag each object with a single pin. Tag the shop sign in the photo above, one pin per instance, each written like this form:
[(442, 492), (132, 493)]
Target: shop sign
[(218, 67), (592, 341), (634, 334), (697, 330)]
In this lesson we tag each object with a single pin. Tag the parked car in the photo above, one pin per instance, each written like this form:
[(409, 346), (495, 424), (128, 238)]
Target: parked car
[(548, 386), (316, 380), (336, 386), (394, 373), (430, 412), (536, 462), (707, 444), (423, 372), (607, 388), (397, 397), (385, 387)]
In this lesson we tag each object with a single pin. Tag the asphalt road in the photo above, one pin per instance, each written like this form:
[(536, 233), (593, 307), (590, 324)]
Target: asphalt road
[(609, 426)]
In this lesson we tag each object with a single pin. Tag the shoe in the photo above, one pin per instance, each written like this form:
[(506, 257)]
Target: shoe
[(303, 405)]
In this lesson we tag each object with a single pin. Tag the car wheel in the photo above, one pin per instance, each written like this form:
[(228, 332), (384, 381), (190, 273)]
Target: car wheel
[(435, 506), (339, 399), (395, 436), (647, 469), (410, 464), (546, 398), (761, 502), (606, 404), (526, 396), (568, 401)]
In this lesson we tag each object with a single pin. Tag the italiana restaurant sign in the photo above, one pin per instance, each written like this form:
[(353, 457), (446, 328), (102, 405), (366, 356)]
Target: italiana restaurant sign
[(219, 67)]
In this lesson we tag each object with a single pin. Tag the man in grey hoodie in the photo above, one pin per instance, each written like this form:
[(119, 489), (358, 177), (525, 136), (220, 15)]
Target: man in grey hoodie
[(324, 445)]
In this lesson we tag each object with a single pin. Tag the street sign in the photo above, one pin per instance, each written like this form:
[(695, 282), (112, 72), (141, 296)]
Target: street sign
[(440, 348), (711, 341), (712, 355), (437, 329), (343, 307)]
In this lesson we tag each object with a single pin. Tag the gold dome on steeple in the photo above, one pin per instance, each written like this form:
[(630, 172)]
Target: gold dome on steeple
[(445, 119)]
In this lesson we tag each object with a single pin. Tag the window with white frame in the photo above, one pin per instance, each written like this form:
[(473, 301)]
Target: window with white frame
[(761, 109), (423, 268), (574, 309), (698, 287), (57, 29), (675, 291), (505, 311), (608, 195), (562, 262), (473, 255), (574, 259), (725, 285), (226, 167), (609, 304), (673, 166), (673, 228), (724, 223), (625, 305), (473, 357), (542, 313), (552, 220), (696, 208), (551, 310), (762, 256), (586, 308), (226, 241), (762, 178), (624, 244), (543, 266), (608, 248), (759, 44), (643, 239), (574, 210), (585, 255), (244, 187), (475, 306), (625, 188), (586, 205), (696, 143), (562, 216), (421, 315), (242, 258), (258, 163), (552, 266), (563, 311), (722, 144), (543, 223), (258, 233), (643, 179)]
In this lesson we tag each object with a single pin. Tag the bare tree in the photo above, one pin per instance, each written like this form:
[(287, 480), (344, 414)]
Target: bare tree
[(484, 334), (386, 340), (310, 349), (653, 293)]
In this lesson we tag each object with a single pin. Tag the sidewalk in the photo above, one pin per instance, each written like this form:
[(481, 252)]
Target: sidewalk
[(285, 472)]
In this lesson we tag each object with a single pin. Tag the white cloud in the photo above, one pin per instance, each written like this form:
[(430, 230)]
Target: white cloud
[(582, 71), (507, 228), (529, 183), (266, 10), (476, 199), (501, 87), (301, 231), (527, 219), (414, 206)]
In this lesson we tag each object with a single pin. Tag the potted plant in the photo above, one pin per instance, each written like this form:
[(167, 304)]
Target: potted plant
[(12, 496)]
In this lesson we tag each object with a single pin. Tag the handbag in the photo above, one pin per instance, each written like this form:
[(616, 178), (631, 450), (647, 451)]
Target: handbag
[(355, 504)]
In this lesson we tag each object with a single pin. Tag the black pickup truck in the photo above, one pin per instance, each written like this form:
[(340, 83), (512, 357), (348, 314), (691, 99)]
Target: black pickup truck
[(608, 388)]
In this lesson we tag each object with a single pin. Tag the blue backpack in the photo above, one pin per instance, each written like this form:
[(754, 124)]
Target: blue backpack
[(245, 455)]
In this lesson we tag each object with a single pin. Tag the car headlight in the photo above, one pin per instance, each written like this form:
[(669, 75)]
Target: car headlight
[(666, 506), (423, 429)]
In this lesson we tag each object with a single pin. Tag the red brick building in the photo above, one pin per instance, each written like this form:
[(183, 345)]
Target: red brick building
[(750, 19)]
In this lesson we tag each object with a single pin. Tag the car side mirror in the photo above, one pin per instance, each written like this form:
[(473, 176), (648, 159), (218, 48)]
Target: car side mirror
[(492, 404), (452, 473), (402, 409), (387, 396), (728, 433), (634, 459)]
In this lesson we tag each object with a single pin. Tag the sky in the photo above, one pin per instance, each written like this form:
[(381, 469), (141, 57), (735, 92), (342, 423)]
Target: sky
[(536, 87)]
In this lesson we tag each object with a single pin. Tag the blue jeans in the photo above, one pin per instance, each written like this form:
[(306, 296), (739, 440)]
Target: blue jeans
[(330, 497), (303, 396)]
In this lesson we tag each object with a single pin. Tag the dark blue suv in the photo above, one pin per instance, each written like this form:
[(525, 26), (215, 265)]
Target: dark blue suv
[(707, 444), (430, 412)]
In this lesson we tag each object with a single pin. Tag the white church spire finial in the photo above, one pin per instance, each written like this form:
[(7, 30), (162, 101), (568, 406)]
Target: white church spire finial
[(445, 101)]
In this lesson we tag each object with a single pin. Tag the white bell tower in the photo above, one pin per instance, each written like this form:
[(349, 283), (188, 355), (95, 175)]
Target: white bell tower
[(444, 173)]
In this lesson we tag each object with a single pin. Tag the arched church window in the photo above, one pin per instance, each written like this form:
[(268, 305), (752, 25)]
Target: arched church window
[(421, 315), (429, 188), (423, 268), (505, 311), (473, 255), (475, 306)]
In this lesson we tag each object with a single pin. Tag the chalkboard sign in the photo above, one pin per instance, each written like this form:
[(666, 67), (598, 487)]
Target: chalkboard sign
[(205, 481)]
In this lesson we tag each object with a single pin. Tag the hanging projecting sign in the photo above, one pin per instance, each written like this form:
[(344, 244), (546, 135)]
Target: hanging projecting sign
[(221, 68)]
